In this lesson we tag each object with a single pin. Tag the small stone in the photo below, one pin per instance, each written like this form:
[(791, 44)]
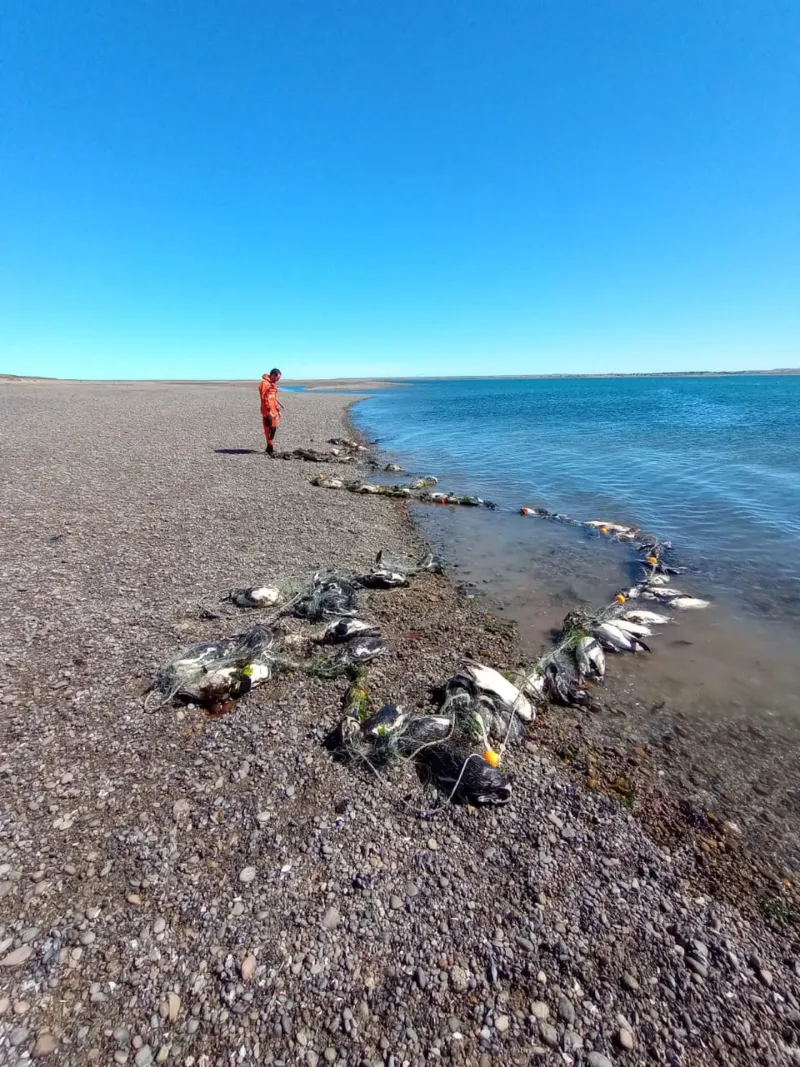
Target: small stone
[(549, 1034), (17, 957), (144, 1057), (485, 1060), (697, 967), (291, 790), (45, 1045), (459, 979), (312, 1059), (88, 937), (181, 807), (173, 1006), (159, 926), (597, 1059), (571, 1042), (765, 976), (134, 898), (18, 1036), (331, 919), (539, 1010), (395, 902), (247, 875), (502, 1023), (120, 1057), (566, 1010), (421, 978), (122, 1036), (5, 1004), (330, 1055), (433, 844), (630, 983), (21, 1007), (248, 967), (625, 1038), (163, 1054)]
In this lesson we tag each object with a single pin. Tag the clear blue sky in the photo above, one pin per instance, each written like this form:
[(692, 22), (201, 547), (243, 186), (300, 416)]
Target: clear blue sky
[(349, 187)]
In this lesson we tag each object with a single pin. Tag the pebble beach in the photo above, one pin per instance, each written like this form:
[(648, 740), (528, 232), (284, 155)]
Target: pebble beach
[(209, 891)]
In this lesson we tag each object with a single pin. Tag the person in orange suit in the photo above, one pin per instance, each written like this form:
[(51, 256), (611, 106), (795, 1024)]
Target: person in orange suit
[(270, 406)]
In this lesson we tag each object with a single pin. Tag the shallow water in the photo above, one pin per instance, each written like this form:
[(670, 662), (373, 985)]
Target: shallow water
[(713, 464)]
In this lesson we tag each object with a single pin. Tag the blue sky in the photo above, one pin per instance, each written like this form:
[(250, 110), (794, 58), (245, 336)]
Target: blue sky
[(197, 189)]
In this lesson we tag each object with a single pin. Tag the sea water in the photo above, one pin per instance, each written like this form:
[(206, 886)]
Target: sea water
[(711, 463)]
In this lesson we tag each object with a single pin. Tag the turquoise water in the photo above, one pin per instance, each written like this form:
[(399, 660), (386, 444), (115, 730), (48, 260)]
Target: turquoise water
[(711, 463)]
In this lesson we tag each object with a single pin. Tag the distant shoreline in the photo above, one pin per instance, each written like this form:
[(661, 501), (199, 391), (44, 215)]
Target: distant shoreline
[(351, 384)]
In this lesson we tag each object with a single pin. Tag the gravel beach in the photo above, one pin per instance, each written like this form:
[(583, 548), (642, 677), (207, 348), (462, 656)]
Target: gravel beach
[(209, 891)]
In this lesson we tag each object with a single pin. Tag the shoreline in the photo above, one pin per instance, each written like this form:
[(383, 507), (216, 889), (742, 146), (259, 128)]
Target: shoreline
[(636, 751), (520, 933)]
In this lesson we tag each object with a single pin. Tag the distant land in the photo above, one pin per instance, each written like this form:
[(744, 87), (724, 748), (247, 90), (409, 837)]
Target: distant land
[(382, 383)]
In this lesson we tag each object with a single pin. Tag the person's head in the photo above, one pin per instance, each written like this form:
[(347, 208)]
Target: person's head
[(275, 375)]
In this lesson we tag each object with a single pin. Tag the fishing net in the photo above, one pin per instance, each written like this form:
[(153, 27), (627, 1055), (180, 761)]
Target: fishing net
[(331, 595), (339, 660), (479, 715), (409, 566), (463, 776), (213, 672), (441, 746)]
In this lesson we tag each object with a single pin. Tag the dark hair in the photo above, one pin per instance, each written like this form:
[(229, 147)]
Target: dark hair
[(274, 371)]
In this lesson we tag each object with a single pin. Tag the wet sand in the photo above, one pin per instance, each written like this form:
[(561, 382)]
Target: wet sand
[(715, 708)]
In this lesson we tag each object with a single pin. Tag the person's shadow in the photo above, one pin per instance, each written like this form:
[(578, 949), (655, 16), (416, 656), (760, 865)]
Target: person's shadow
[(236, 451)]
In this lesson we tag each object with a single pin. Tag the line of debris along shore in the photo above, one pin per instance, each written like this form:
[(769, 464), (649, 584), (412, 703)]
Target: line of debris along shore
[(459, 744)]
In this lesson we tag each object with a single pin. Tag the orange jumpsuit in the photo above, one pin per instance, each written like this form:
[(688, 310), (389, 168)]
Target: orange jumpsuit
[(270, 409)]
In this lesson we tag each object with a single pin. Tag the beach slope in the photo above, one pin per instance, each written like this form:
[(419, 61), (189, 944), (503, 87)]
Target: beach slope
[(189, 889)]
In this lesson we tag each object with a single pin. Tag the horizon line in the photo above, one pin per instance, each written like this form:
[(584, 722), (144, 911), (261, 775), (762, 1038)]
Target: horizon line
[(412, 378)]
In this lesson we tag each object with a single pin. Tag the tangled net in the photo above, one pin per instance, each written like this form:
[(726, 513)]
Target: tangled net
[(215, 673), (477, 706)]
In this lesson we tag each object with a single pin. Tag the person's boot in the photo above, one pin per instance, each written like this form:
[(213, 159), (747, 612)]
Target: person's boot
[(270, 451)]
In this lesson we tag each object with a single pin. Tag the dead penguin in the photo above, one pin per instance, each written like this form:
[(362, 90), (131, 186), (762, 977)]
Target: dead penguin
[(345, 629)]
